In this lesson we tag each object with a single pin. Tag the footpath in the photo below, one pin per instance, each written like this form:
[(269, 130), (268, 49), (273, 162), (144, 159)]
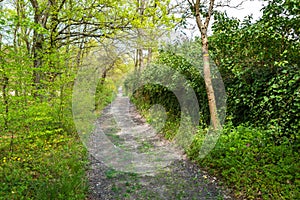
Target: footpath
[(129, 160)]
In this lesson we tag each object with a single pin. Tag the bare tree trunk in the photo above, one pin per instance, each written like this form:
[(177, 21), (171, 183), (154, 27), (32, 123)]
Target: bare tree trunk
[(141, 9), (206, 62), (208, 85), (141, 59), (37, 58), (81, 50), (4, 90), (5, 101), (149, 58), (16, 40), (136, 60), (37, 46), (79, 54)]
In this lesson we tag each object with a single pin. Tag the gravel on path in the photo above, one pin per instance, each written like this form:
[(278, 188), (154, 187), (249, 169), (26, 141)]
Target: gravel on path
[(129, 160)]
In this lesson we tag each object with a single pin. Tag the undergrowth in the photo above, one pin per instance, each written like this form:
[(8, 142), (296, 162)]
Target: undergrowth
[(250, 162), (41, 154), (41, 157)]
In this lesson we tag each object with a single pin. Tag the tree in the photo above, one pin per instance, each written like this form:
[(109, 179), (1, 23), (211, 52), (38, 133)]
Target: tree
[(203, 12), (199, 11), (154, 20)]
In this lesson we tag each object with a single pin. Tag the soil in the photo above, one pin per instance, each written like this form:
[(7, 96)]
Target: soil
[(129, 160)]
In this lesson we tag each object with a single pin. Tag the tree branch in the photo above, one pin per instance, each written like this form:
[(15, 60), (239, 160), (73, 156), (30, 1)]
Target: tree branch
[(198, 17), (210, 11)]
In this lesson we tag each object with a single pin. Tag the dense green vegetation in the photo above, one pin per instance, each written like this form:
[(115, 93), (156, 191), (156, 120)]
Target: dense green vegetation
[(41, 50), (42, 156), (44, 43), (257, 153)]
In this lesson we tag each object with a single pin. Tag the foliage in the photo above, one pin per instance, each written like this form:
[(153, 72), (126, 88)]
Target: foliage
[(249, 161), (167, 74), (261, 76), (42, 46), (104, 95)]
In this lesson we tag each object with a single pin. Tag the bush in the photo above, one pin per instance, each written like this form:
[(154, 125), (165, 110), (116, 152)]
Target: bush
[(262, 77)]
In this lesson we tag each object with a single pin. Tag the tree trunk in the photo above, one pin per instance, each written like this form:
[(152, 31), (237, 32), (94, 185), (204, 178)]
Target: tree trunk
[(37, 46), (4, 90), (208, 85), (206, 62), (141, 60), (37, 58), (149, 58), (81, 50), (136, 61), (141, 9), (103, 77)]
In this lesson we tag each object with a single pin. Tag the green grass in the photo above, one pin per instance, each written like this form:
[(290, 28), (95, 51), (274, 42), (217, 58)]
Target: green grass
[(45, 174), (145, 147), (45, 159), (249, 161), (41, 154)]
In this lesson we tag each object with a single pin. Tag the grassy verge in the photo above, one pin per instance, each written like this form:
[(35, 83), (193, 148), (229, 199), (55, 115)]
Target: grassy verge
[(249, 161), (41, 156)]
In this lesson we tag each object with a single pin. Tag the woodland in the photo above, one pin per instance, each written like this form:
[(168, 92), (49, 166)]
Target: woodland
[(244, 74)]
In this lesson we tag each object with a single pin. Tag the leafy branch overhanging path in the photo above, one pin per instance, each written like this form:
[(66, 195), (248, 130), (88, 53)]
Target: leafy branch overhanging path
[(129, 160)]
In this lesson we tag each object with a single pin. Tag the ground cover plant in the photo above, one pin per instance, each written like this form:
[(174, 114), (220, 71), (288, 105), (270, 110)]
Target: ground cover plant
[(249, 161), (41, 157)]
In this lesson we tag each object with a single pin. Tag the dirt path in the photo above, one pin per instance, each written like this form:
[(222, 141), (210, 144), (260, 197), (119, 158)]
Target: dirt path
[(128, 160)]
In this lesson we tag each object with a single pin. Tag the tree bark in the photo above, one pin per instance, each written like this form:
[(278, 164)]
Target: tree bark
[(141, 60), (4, 91), (37, 46), (136, 62), (141, 9), (206, 62), (149, 58)]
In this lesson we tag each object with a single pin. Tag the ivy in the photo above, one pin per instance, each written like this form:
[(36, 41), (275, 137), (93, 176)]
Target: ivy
[(261, 74)]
